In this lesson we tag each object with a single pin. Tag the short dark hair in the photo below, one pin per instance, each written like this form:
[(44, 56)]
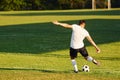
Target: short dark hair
[(81, 22)]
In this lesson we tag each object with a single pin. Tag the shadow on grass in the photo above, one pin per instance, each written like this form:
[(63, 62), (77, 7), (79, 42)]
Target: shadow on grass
[(45, 37), (104, 12), (110, 58), (30, 69)]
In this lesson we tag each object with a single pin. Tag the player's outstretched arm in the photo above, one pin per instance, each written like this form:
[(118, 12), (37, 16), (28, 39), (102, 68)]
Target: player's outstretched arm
[(93, 43), (65, 25)]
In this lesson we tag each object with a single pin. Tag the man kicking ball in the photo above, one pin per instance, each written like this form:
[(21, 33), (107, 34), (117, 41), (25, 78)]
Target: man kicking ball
[(79, 33)]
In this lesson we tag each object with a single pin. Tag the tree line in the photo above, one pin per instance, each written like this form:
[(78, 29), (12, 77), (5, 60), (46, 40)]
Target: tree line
[(7, 5)]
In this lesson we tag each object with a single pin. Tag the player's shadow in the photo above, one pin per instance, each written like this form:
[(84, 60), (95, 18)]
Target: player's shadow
[(40, 38)]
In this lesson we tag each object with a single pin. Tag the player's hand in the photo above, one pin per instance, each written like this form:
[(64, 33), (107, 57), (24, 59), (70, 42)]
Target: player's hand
[(98, 50), (56, 22)]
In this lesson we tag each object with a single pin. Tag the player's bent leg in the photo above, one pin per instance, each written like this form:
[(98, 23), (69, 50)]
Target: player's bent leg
[(89, 58)]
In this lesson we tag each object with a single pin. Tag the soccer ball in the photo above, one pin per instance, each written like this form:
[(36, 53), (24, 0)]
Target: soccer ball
[(85, 68)]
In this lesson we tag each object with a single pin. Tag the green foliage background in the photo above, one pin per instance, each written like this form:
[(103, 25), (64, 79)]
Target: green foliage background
[(8, 5)]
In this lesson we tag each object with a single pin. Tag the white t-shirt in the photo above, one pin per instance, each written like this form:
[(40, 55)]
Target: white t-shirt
[(78, 35)]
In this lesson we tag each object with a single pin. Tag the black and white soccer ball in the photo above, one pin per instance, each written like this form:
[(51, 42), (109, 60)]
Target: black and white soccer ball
[(85, 68)]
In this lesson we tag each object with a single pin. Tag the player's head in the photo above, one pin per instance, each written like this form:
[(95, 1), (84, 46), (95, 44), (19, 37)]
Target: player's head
[(82, 22)]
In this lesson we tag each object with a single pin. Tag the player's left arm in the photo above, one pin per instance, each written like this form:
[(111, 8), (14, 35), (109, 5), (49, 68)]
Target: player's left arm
[(89, 38)]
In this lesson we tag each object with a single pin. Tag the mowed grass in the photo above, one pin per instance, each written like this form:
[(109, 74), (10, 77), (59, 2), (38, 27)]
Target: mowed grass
[(32, 48)]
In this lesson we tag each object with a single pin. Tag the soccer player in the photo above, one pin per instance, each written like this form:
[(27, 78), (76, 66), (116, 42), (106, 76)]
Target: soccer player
[(79, 33)]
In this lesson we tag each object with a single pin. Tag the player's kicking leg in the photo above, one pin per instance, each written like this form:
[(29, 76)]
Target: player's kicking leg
[(89, 58), (84, 53)]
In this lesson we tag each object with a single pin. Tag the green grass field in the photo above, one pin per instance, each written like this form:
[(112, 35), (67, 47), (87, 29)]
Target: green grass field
[(32, 48)]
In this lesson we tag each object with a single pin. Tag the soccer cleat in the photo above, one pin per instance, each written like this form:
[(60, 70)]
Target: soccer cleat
[(98, 63), (75, 71), (95, 62)]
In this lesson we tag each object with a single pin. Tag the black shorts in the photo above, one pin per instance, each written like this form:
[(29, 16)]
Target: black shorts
[(82, 51)]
